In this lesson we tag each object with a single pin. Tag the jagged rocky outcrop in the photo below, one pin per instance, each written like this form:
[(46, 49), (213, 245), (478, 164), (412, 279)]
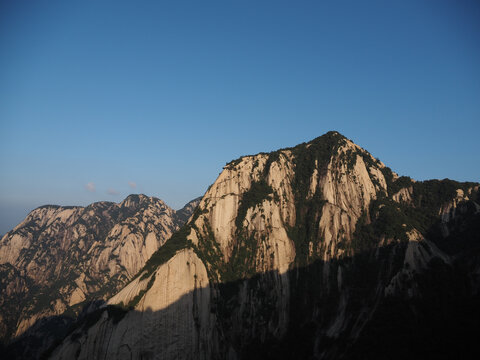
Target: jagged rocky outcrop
[(60, 258), (316, 251)]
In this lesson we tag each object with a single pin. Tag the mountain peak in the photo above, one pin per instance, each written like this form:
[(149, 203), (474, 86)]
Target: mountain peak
[(136, 199), (328, 141), (331, 135)]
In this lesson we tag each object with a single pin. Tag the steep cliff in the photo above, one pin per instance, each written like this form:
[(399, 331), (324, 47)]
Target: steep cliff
[(169, 321), (60, 258), (300, 253)]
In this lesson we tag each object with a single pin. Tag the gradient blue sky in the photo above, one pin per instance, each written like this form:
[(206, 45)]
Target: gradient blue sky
[(164, 93)]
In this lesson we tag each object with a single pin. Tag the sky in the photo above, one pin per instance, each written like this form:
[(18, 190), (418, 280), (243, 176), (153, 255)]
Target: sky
[(100, 99)]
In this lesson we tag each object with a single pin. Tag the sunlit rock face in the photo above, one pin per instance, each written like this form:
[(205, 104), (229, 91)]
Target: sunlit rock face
[(59, 258), (311, 252), (172, 320)]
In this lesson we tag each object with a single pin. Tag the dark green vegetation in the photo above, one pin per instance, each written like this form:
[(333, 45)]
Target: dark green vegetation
[(242, 261), (309, 211), (258, 192), (386, 221), (389, 219), (209, 251), (177, 241), (139, 296)]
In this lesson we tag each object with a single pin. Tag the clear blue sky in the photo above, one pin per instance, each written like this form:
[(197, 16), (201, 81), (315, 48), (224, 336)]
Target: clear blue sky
[(164, 93)]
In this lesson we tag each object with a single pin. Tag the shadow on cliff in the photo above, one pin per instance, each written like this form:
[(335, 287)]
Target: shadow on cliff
[(334, 310), (45, 333)]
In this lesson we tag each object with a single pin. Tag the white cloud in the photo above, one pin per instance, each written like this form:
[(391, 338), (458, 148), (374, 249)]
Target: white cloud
[(90, 187), (112, 192), (132, 184)]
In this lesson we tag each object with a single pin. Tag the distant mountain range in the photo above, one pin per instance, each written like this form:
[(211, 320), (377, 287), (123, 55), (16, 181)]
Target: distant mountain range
[(61, 259), (318, 251)]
